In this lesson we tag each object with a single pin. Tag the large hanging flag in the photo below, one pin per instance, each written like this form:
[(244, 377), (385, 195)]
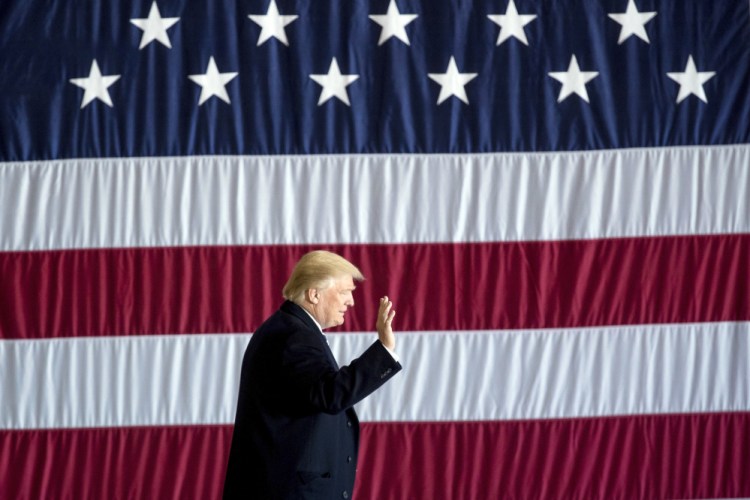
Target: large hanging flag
[(556, 195)]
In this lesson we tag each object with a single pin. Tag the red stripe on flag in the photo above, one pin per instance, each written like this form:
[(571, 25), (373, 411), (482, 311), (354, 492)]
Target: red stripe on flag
[(635, 457), (435, 286), (118, 462), (666, 456)]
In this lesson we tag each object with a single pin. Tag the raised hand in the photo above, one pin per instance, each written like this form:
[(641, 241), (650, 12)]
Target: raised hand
[(383, 324)]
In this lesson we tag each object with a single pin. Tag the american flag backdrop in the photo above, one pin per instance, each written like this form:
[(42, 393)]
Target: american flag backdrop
[(556, 195)]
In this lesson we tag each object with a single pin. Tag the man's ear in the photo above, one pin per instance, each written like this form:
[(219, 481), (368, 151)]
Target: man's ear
[(311, 294)]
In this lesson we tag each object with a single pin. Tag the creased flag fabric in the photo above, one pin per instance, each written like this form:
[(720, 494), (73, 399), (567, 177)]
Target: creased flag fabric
[(556, 196)]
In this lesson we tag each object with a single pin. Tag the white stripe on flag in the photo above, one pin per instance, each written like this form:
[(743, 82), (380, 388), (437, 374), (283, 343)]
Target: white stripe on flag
[(103, 203), (479, 375)]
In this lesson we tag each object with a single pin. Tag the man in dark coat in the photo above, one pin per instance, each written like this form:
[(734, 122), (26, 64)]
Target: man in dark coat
[(296, 435)]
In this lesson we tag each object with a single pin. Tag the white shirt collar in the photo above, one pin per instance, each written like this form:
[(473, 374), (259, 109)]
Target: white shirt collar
[(313, 318)]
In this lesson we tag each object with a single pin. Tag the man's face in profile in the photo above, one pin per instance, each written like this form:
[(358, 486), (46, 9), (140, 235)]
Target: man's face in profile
[(334, 301)]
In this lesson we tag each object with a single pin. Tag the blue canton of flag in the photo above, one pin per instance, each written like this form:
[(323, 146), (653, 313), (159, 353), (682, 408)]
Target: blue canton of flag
[(178, 77)]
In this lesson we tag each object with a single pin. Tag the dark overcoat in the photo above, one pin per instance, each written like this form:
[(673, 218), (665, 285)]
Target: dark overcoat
[(296, 434)]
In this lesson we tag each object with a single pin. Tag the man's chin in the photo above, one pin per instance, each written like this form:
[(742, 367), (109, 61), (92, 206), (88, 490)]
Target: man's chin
[(336, 323)]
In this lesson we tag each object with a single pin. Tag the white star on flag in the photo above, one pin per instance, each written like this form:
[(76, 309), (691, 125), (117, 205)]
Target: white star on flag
[(155, 27), (393, 23), (633, 22), (452, 82), (334, 84), (272, 24), (691, 81), (511, 24), (95, 86), (213, 83), (574, 80)]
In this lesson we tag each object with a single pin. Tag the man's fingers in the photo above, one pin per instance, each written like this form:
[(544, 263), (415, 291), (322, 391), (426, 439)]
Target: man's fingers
[(385, 304), (386, 308), (386, 311)]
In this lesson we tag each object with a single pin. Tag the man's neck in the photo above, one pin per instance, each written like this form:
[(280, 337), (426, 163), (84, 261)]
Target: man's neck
[(311, 317)]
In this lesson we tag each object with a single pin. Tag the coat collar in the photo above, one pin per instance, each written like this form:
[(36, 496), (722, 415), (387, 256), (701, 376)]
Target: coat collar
[(291, 308)]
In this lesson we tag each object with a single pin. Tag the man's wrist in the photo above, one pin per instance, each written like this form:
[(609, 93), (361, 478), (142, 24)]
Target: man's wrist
[(391, 352)]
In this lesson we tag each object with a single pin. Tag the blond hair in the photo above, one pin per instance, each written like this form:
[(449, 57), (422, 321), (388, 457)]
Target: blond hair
[(315, 270)]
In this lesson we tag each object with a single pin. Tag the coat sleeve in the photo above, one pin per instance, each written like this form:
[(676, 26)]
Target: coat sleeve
[(317, 385)]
